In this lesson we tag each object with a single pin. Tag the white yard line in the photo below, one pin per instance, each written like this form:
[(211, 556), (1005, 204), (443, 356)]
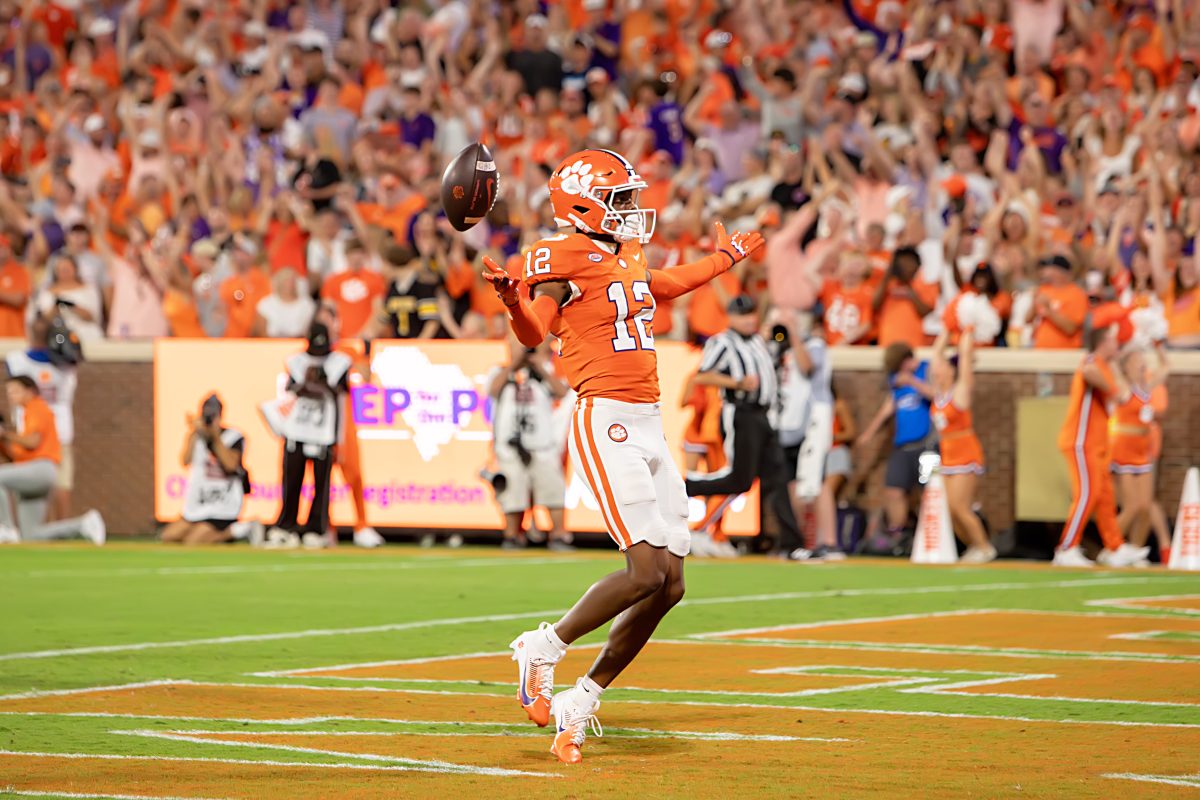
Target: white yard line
[(418, 764), (301, 764), (435, 623), (639, 733), (839, 622), (30, 793), (331, 565), (1135, 603), (1190, 781)]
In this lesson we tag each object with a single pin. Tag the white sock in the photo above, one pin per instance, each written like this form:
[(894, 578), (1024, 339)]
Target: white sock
[(558, 644), (591, 689)]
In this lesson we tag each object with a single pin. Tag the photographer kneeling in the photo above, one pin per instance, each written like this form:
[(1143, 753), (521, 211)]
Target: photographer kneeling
[(31, 443), (528, 450), (217, 483)]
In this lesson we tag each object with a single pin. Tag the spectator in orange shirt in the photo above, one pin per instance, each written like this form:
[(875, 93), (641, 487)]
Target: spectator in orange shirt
[(847, 301), (1060, 306), (241, 291), (902, 300), (15, 289), (355, 291)]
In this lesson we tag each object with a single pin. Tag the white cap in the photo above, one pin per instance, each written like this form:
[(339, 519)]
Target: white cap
[(536, 21), (150, 138), (101, 26), (93, 123), (593, 5), (852, 83), (256, 29)]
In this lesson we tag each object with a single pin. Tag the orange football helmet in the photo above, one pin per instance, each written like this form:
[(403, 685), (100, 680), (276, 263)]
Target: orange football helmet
[(596, 191)]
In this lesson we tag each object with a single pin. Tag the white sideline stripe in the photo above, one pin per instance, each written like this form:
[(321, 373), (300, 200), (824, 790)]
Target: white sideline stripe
[(1152, 636), (31, 793), (1190, 781), (395, 762), (30, 695), (434, 623), (951, 649), (271, 637), (254, 763), (297, 721), (642, 733), (1135, 603), (837, 623), (324, 566)]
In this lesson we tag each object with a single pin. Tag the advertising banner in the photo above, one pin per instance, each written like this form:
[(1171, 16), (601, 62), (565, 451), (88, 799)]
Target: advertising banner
[(423, 421)]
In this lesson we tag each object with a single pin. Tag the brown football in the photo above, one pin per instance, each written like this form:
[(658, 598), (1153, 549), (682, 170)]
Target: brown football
[(469, 186)]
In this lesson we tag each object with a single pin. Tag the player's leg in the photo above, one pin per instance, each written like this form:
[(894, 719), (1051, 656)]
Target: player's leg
[(1117, 552), (773, 475), (1084, 494), (1136, 494), (744, 438), (900, 478), (644, 574), (318, 513), (60, 498), (633, 627)]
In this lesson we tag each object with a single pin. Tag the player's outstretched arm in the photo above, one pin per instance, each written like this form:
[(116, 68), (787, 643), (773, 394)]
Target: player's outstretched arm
[(669, 283), (530, 320)]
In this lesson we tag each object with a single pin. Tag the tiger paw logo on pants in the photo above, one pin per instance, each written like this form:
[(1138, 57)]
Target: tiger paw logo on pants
[(617, 433)]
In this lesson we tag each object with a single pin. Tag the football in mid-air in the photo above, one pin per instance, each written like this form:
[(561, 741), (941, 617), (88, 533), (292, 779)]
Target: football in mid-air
[(469, 186)]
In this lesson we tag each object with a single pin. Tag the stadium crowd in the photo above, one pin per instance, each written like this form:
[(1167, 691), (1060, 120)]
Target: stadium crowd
[(185, 168)]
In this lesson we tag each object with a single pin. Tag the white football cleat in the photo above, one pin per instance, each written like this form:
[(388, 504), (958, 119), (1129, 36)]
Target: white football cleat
[(368, 537), (280, 539), (9, 535), (574, 713), (536, 656), (1124, 556), (1071, 557), (91, 526)]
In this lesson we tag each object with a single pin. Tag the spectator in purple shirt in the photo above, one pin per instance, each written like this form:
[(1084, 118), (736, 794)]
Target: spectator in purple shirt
[(417, 128), (1039, 131)]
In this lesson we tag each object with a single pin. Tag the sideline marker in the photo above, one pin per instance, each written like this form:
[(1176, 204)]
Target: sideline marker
[(934, 542), (1185, 544)]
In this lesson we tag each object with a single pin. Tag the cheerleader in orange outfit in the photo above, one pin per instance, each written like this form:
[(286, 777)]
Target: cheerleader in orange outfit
[(1133, 441), (962, 454)]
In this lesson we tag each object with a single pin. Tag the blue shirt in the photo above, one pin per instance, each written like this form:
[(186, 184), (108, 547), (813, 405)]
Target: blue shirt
[(666, 123), (912, 409)]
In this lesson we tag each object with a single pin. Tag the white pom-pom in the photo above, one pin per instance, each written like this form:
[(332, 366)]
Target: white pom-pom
[(976, 311), (1149, 324)]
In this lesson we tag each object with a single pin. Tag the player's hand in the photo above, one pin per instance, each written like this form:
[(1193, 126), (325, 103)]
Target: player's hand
[(739, 245), (505, 285)]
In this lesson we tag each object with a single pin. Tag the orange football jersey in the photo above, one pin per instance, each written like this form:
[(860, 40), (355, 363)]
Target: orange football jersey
[(606, 325)]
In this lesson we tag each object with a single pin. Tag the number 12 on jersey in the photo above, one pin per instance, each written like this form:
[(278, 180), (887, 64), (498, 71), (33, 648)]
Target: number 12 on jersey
[(643, 319)]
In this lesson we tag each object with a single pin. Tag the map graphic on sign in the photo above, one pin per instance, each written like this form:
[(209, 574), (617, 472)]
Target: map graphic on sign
[(435, 400)]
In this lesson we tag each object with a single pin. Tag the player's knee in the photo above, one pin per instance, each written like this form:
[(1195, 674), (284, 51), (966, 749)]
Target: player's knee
[(647, 580), (675, 591)]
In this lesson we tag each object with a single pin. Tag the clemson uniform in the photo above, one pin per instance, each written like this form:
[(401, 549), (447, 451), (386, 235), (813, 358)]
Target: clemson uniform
[(1131, 436), (1083, 441), (606, 333), (961, 452)]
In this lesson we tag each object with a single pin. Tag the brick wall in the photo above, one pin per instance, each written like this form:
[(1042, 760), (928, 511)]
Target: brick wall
[(995, 410), (114, 440)]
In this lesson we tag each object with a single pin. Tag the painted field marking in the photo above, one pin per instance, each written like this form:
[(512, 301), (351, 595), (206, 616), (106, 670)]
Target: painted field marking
[(1136, 603), (435, 623), (511, 729), (266, 763), (31, 793), (1150, 636), (413, 764), (325, 566), (1190, 781)]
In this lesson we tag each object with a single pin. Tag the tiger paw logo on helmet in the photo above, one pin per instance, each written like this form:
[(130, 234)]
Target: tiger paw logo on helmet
[(596, 192), (617, 433), (576, 178)]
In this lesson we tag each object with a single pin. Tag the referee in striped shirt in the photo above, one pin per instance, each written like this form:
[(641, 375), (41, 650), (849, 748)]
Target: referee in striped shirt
[(738, 361)]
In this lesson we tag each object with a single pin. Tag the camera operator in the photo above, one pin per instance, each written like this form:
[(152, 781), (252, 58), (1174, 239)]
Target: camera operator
[(309, 419), (31, 443), (738, 361), (50, 361), (526, 442), (217, 482)]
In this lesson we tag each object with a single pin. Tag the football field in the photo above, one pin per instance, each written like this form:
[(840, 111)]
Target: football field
[(140, 671)]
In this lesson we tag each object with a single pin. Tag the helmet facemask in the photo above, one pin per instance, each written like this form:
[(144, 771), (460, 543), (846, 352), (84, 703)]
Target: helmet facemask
[(623, 219)]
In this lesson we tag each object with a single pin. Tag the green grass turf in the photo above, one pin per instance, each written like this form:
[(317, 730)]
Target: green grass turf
[(76, 596)]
